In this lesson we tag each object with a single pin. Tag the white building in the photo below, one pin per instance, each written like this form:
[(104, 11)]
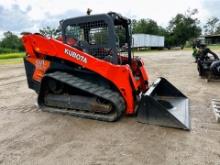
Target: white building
[(147, 40)]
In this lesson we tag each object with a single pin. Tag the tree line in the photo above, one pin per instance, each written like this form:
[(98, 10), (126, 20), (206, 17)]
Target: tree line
[(10, 43), (181, 28), (212, 26)]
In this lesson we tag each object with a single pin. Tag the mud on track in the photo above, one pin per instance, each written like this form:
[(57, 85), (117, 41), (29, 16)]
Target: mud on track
[(29, 136)]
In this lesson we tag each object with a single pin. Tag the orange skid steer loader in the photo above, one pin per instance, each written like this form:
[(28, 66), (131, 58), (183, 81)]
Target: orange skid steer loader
[(89, 72)]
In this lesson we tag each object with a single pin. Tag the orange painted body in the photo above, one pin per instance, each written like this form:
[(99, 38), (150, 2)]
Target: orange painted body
[(130, 80)]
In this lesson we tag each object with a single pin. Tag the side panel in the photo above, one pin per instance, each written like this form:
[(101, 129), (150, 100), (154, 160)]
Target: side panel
[(40, 67), (30, 68)]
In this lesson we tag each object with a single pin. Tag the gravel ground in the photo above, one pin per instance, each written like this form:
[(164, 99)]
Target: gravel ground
[(29, 136)]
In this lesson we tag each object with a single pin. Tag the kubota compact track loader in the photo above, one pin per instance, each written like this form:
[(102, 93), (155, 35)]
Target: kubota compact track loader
[(89, 72)]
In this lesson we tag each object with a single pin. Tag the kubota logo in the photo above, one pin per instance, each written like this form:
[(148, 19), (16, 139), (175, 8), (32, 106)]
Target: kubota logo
[(75, 55)]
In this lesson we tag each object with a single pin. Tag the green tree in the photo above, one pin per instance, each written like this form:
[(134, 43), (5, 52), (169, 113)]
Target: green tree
[(133, 25), (162, 31), (49, 31), (184, 27), (212, 26), (217, 31), (11, 41), (146, 26)]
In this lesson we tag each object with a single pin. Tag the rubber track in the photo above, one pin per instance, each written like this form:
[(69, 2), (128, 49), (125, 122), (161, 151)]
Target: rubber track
[(92, 88)]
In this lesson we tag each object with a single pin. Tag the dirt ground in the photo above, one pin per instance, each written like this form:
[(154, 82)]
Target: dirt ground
[(29, 136)]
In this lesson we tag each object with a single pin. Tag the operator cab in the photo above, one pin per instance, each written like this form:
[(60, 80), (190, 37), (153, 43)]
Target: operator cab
[(104, 36)]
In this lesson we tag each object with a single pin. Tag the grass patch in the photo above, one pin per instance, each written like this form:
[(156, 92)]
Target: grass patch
[(11, 55), (11, 61), (214, 47), (11, 58)]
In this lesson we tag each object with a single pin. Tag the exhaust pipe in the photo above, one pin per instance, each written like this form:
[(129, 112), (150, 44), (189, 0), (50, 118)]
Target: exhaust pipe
[(164, 105)]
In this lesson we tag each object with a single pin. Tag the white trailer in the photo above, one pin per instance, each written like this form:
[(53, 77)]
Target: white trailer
[(147, 40)]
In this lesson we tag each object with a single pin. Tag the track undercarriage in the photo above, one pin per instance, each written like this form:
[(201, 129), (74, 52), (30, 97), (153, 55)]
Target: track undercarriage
[(64, 93)]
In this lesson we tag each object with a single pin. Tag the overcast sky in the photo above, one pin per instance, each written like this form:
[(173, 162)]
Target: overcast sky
[(30, 15)]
